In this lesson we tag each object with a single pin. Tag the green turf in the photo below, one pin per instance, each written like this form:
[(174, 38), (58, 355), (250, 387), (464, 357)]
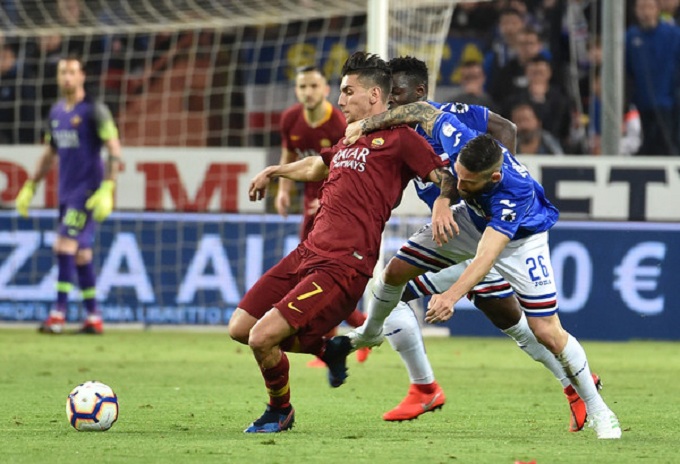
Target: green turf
[(186, 397)]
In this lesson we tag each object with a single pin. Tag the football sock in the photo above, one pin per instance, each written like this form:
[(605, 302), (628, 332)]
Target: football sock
[(402, 330), (66, 264), (526, 340), (86, 281), (573, 359), (426, 388), (382, 300), (356, 319), (277, 383)]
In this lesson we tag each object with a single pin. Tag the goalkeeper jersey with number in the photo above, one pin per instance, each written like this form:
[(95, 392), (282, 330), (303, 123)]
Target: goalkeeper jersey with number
[(473, 117), (77, 134), (516, 206)]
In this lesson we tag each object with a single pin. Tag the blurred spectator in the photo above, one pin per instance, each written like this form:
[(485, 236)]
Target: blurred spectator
[(504, 46), (669, 11), (475, 19), (511, 78), (471, 90), (531, 138), (551, 105), (16, 99), (652, 64)]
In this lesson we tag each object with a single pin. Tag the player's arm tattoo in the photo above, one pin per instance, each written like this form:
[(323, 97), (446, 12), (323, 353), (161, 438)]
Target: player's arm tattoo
[(447, 184), (414, 113)]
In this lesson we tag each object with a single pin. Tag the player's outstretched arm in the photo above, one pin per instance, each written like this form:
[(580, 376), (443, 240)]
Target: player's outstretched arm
[(503, 130), (492, 243), (25, 195), (309, 169), (414, 113)]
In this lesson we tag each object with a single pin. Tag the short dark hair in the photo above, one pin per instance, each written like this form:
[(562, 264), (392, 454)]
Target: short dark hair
[(414, 68), (369, 66), (480, 154), (307, 68)]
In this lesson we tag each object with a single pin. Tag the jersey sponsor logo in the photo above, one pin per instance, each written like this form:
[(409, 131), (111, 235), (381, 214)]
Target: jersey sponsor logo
[(66, 138), (351, 158), (304, 296), (459, 108), (379, 142), (508, 214), (75, 121)]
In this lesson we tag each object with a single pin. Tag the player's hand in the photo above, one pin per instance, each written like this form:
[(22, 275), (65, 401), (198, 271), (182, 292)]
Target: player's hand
[(444, 226), (24, 197), (313, 207), (440, 308), (258, 186), (101, 201), (352, 132), (282, 203)]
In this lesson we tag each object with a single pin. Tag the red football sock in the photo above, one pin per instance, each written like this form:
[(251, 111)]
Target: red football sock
[(276, 381), (427, 388)]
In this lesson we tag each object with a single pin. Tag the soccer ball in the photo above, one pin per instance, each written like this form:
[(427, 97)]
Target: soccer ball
[(92, 407)]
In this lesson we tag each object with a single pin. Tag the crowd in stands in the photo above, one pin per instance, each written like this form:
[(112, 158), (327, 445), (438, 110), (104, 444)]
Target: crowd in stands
[(539, 65)]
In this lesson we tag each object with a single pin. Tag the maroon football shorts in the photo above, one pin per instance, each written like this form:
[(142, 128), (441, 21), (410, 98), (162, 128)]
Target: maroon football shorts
[(313, 293)]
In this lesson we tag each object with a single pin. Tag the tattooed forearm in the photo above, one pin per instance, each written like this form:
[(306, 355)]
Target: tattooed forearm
[(447, 184), (414, 113)]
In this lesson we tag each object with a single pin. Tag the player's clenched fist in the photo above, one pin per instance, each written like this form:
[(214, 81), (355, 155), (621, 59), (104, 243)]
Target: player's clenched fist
[(23, 200), (101, 201)]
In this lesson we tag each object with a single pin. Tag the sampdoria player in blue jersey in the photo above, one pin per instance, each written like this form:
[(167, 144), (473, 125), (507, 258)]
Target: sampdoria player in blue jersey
[(77, 129), (502, 223), (493, 296)]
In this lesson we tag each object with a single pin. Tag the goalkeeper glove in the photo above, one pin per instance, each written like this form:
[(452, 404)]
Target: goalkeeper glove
[(24, 197), (101, 201)]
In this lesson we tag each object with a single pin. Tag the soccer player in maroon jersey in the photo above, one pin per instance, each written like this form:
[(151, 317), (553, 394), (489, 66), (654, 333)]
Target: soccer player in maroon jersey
[(77, 129), (317, 285), (306, 128)]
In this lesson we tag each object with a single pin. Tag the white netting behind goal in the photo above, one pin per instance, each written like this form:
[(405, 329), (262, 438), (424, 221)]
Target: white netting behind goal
[(194, 72)]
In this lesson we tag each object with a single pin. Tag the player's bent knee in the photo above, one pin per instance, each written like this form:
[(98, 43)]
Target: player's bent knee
[(549, 333), (399, 272), (240, 324), (84, 256), (502, 312)]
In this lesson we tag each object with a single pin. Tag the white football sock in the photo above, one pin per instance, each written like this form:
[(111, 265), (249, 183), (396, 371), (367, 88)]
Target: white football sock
[(575, 364), (526, 340), (383, 298), (403, 332)]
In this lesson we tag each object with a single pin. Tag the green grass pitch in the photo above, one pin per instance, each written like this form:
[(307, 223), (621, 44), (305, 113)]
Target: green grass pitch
[(187, 396)]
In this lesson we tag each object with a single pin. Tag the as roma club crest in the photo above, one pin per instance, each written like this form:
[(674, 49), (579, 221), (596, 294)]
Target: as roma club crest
[(379, 142)]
